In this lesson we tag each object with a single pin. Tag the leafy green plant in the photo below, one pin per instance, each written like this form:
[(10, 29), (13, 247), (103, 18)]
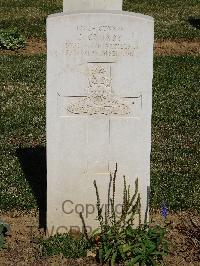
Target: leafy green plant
[(3, 229), (11, 39), (118, 239), (66, 244)]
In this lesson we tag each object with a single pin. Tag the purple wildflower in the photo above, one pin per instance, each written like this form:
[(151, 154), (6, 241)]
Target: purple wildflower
[(164, 211)]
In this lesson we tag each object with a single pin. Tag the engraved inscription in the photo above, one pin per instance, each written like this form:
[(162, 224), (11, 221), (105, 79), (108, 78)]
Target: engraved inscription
[(100, 99), (99, 28), (100, 41)]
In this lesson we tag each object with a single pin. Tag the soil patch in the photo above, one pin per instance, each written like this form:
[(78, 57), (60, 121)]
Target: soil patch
[(36, 46), (33, 47), (23, 247), (177, 48)]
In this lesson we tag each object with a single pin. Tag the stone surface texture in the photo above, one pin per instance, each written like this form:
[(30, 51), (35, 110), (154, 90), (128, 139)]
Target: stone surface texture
[(69, 5), (99, 105)]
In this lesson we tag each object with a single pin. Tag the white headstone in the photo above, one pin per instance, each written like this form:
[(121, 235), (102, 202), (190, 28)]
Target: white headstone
[(70, 5), (99, 104)]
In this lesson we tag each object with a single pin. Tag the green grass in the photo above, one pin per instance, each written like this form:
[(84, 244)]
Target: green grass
[(29, 16), (174, 171), (68, 245), (171, 16), (175, 150), (22, 125)]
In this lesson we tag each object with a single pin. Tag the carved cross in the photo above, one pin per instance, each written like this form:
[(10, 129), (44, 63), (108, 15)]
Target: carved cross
[(102, 102)]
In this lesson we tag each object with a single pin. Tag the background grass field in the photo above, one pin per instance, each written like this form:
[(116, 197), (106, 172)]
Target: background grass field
[(172, 17), (175, 133)]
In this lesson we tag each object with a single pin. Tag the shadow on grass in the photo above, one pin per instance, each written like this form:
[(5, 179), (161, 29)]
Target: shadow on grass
[(33, 162), (195, 22)]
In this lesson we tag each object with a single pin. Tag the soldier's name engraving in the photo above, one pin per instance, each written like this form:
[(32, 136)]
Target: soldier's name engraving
[(100, 41)]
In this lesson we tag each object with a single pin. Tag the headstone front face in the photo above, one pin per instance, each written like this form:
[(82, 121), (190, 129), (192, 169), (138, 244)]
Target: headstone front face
[(99, 102), (69, 5)]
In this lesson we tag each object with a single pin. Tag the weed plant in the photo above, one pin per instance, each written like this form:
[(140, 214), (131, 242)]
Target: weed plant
[(11, 39), (120, 239)]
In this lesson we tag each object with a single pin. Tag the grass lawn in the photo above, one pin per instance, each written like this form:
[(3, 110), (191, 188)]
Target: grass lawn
[(175, 175), (171, 16), (174, 170)]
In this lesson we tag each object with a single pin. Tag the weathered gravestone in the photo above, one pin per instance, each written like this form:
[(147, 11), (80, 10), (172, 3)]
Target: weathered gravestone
[(99, 102)]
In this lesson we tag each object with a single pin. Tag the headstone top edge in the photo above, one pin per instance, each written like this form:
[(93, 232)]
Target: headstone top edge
[(72, 5), (114, 12)]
